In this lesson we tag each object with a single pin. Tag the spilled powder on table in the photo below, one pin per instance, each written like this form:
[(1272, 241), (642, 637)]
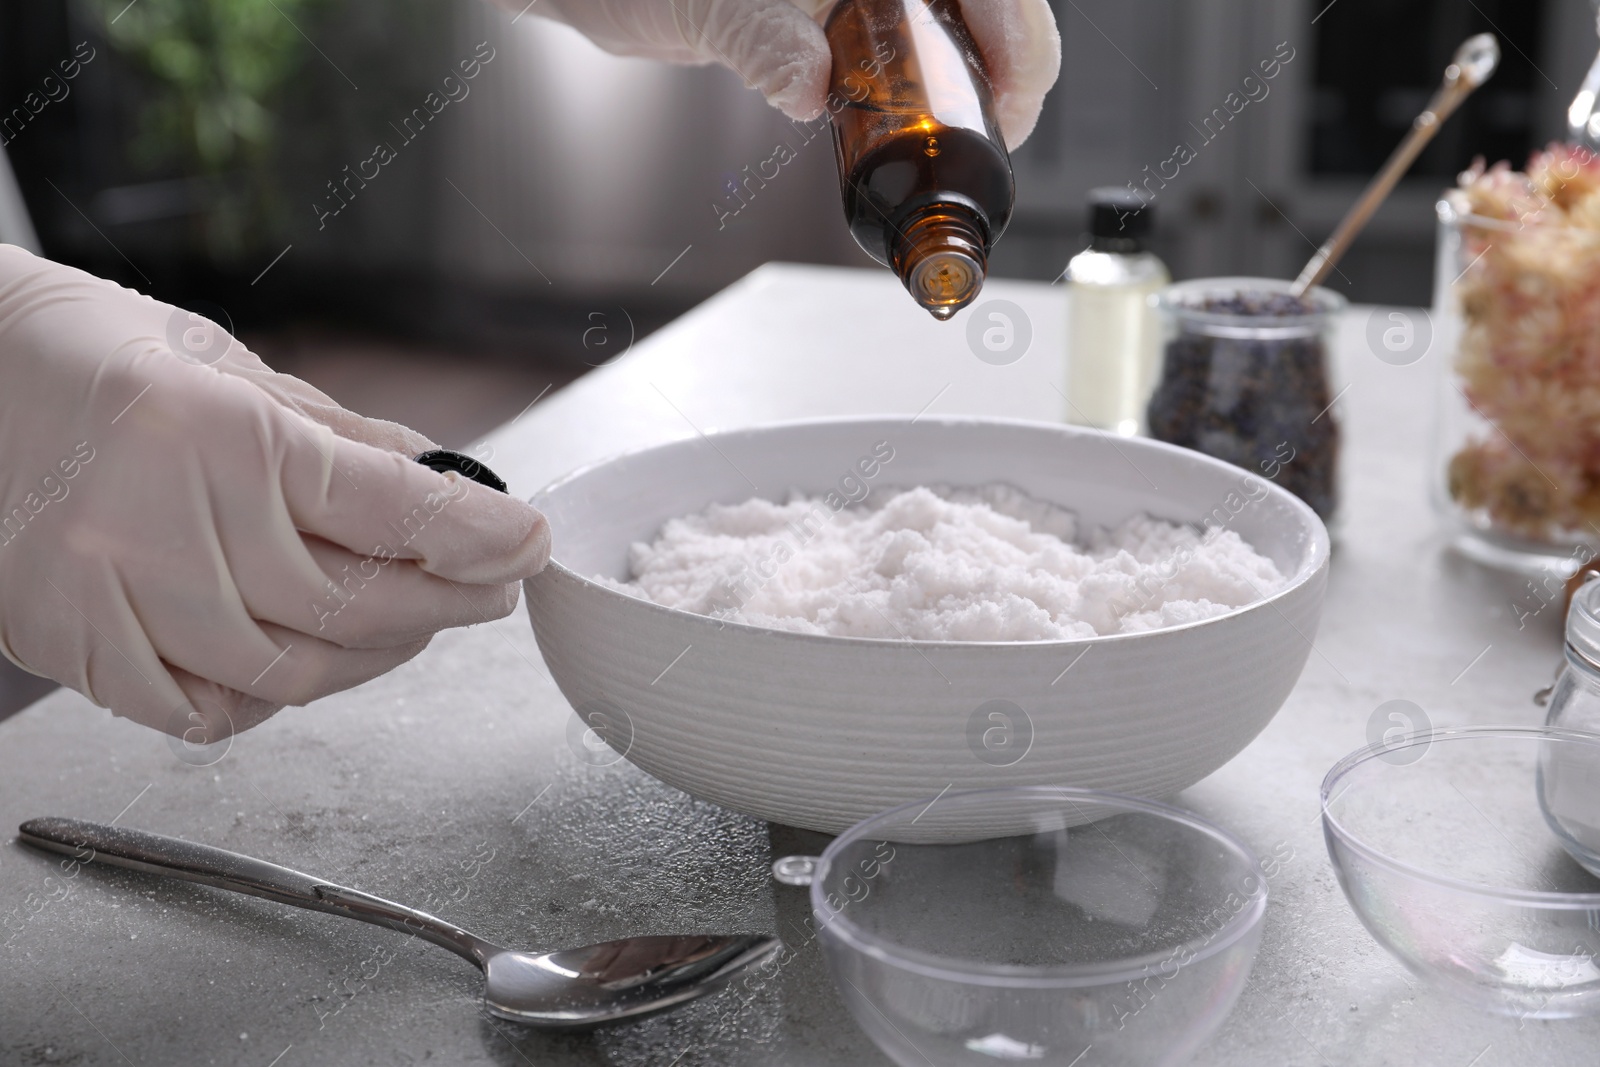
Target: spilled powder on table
[(942, 564)]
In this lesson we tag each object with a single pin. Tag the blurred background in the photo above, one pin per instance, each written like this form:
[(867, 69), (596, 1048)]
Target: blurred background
[(199, 155), (210, 152)]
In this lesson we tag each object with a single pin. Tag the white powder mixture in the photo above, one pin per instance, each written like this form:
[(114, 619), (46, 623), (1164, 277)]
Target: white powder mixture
[(939, 564)]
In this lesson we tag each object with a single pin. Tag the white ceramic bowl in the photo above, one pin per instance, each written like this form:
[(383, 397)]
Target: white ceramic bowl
[(820, 731)]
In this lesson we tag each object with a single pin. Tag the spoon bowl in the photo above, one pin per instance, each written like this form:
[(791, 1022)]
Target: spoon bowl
[(579, 988)]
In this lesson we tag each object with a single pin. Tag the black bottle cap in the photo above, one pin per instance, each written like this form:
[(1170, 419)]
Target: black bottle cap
[(1119, 219), (442, 459)]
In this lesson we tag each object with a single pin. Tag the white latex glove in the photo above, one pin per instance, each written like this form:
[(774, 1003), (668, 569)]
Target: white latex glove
[(173, 515), (777, 46)]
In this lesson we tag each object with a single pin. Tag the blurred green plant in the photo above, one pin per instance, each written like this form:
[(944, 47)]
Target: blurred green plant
[(215, 67)]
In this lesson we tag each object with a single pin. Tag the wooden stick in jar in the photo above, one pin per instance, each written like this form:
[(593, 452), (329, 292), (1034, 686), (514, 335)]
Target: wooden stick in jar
[(1471, 66)]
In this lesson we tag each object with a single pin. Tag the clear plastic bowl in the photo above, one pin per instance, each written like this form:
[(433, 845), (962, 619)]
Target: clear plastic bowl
[(1111, 921), (1450, 847)]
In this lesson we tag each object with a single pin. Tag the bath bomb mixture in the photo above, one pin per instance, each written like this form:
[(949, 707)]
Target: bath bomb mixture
[(940, 564)]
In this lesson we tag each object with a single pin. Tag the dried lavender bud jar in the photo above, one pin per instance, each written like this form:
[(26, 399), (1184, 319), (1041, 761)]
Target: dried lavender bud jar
[(1245, 378)]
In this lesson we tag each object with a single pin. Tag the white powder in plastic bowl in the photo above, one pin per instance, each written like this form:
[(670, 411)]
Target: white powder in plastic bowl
[(940, 564)]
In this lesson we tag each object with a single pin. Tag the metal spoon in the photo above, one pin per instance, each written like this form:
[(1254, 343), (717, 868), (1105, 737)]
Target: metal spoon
[(1583, 121), (574, 989), (1471, 66)]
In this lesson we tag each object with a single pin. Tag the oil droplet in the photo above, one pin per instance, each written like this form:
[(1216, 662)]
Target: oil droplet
[(932, 147)]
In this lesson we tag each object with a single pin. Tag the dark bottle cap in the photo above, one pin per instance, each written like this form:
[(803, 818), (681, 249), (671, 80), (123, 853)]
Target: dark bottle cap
[(442, 459), (1119, 219)]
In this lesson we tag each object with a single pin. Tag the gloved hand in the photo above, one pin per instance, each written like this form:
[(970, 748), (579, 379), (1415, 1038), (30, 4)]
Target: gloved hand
[(777, 46), (195, 541)]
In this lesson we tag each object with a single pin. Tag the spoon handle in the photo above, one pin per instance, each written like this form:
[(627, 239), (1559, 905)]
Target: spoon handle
[(194, 862), (1471, 66)]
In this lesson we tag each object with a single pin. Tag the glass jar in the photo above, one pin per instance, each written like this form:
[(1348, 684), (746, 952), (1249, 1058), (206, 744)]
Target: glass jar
[(1569, 792), (1517, 323), (1245, 378)]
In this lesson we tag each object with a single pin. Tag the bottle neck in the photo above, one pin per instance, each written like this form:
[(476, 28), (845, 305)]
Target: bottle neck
[(1582, 668), (1127, 246), (941, 256)]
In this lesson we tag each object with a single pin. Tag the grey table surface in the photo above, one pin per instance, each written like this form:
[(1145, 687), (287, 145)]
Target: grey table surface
[(454, 782)]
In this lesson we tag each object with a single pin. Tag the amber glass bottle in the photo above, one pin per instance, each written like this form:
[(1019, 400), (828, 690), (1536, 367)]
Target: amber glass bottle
[(925, 176)]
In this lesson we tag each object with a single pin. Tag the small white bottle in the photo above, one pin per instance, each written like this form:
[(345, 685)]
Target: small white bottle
[(1113, 332)]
